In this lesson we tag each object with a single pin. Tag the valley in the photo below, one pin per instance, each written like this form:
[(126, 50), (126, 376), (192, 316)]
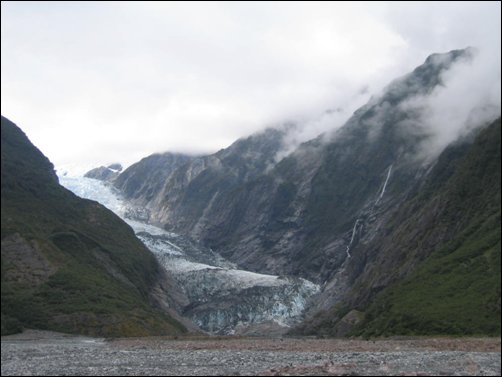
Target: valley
[(367, 231), (251, 188), (358, 231)]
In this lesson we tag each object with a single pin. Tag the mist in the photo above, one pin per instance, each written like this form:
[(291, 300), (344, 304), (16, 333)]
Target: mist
[(469, 97), (95, 83)]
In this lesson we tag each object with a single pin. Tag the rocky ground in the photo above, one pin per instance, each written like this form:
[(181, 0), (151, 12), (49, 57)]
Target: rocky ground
[(46, 353)]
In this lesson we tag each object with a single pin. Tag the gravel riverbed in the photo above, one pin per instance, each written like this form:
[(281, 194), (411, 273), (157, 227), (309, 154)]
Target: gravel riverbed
[(46, 353)]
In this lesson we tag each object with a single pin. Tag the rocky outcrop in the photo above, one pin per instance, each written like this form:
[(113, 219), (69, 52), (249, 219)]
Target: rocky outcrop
[(105, 173), (102, 173)]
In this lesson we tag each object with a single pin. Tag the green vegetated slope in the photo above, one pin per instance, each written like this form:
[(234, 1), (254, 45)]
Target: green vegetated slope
[(456, 289), (68, 264)]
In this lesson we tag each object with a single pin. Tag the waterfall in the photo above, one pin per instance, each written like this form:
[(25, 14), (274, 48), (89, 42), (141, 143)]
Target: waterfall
[(356, 224), (385, 184), (352, 238)]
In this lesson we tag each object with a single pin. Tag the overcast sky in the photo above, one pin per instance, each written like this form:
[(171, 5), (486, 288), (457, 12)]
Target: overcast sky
[(94, 83)]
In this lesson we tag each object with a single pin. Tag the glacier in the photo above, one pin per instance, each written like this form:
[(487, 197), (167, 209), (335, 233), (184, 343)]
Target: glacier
[(223, 299)]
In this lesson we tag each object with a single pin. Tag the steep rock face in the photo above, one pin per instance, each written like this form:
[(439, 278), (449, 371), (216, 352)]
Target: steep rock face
[(434, 266), (141, 181), (452, 280), (181, 197), (70, 264)]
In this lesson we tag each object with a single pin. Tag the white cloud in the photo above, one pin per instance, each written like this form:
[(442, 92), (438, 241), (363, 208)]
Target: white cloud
[(469, 97), (100, 82)]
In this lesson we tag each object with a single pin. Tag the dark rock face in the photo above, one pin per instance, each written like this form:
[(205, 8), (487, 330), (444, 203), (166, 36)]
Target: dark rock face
[(142, 180), (69, 264), (406, 275), (355, 211), (102, 173), (179, 190)]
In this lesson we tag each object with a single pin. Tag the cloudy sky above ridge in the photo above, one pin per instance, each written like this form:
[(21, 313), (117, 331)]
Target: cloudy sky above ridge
[(93, 83)]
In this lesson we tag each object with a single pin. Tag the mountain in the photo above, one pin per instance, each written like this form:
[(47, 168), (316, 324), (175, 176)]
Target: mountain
[(179, 191), (105, 173), (433, 267), (69, 264), (142, 179), (363, 211), (456, 214), (297, 216)]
